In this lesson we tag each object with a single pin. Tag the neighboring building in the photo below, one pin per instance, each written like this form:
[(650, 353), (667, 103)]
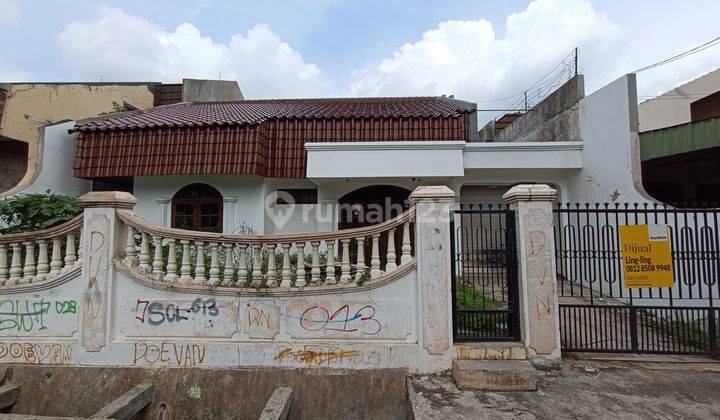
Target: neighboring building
[(673, 107), (27, 107), (680, 146)]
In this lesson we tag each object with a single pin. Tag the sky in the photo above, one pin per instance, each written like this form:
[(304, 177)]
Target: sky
[(477, 50)]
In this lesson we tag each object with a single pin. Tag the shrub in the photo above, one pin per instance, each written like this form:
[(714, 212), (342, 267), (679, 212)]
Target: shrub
[(29, 212)]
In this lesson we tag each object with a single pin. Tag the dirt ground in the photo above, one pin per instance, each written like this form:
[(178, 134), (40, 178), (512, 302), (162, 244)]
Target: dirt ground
[(624, 388)]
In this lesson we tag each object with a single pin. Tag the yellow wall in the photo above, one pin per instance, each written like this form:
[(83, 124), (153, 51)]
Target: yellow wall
[(30, 106)]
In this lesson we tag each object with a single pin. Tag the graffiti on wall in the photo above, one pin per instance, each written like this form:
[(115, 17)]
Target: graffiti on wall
[(199, 317), (36, 353), (167, 353), (38, 317), (348, 319), (261, 320), (159, 313), (324, 356), (95, 276)]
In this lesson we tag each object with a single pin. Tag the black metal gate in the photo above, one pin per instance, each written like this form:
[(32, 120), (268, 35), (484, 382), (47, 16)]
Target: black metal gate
[(484, 273), (599, 314)]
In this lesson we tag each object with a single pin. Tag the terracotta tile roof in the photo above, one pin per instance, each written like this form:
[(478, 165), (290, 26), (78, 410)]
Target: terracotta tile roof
[(262, 137), (250, 112)]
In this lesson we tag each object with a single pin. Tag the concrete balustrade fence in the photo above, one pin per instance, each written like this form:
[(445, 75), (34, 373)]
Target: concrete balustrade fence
[(112, 289), (270, 262), (33, 257)]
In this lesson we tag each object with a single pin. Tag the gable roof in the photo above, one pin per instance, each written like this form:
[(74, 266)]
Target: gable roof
[(249, 112)]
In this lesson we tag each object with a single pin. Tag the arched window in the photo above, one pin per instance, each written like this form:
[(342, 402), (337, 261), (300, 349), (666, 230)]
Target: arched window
[(197, 207)]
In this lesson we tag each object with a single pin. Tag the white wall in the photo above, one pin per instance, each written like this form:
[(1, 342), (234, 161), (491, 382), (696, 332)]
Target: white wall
[(608, 128), (55, 171), (244, 198), (385, 159)]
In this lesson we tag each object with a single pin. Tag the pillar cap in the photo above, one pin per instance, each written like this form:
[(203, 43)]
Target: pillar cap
[(108, 199), (432, 193), (530, 192)]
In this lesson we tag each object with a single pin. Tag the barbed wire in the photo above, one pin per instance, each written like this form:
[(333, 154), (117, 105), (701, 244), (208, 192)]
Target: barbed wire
[(523, 101)]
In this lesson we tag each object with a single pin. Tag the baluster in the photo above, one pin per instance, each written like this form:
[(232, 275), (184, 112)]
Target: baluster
[(29, 268), (42, 267), (185, 267), (375, 257), (199, 263), (56, 261), (229, 270), (15, 265), (171, 275), (345, 267), (144, 265), (286, 273), (406, 256), (3, 264), (315, 270), (330, 266), (391, 256), (80, 245), (130, 250), (300, 273), (360, 258), (271, 272), (214, 272), (242, 264), (70, 255), (257, 266), (157, 264)]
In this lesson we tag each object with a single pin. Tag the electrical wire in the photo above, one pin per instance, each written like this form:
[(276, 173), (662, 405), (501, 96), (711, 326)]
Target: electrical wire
[(684, 54)]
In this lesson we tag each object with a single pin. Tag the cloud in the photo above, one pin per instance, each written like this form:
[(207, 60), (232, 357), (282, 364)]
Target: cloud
[(469, 59), (9, 11), (118, 46), (10, 73)]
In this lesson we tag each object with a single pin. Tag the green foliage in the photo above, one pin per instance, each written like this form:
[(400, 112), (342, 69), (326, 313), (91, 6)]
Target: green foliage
[(469, 299), (116, 108), (195, 392), (30, 212)]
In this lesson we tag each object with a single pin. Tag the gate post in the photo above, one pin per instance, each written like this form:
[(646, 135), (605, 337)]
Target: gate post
[(539, 319), (432, 250), (100, 244)]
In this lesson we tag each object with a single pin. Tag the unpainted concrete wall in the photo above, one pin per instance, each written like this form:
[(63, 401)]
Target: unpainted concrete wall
[(199, 90), (555, 118), (212, 393)]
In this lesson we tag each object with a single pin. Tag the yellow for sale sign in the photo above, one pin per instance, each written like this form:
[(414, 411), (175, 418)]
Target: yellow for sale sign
[(647, 258)]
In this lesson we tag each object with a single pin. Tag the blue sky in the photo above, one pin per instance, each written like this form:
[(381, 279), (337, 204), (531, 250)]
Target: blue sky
[(476, 50)]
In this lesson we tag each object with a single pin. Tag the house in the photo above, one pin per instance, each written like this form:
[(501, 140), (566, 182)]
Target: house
[(26, 109), (297, 165), (680, 143)]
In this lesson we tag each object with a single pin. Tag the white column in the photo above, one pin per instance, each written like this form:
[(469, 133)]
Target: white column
[(539, 319), (229, 214), (432, 250), (164, 204)]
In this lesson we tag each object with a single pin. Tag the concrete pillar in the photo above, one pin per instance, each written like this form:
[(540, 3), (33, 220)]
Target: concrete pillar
[(539, 321), (102, 239), (432, 251)]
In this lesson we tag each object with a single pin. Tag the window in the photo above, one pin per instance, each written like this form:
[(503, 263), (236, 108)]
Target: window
[(297, 196), (197, 207)]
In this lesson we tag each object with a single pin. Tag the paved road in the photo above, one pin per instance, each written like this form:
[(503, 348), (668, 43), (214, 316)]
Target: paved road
[(644, 389)]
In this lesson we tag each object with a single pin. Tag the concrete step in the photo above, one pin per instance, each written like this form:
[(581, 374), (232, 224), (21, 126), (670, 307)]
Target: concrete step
[(9, 394), (494, 375), (491, 351)]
